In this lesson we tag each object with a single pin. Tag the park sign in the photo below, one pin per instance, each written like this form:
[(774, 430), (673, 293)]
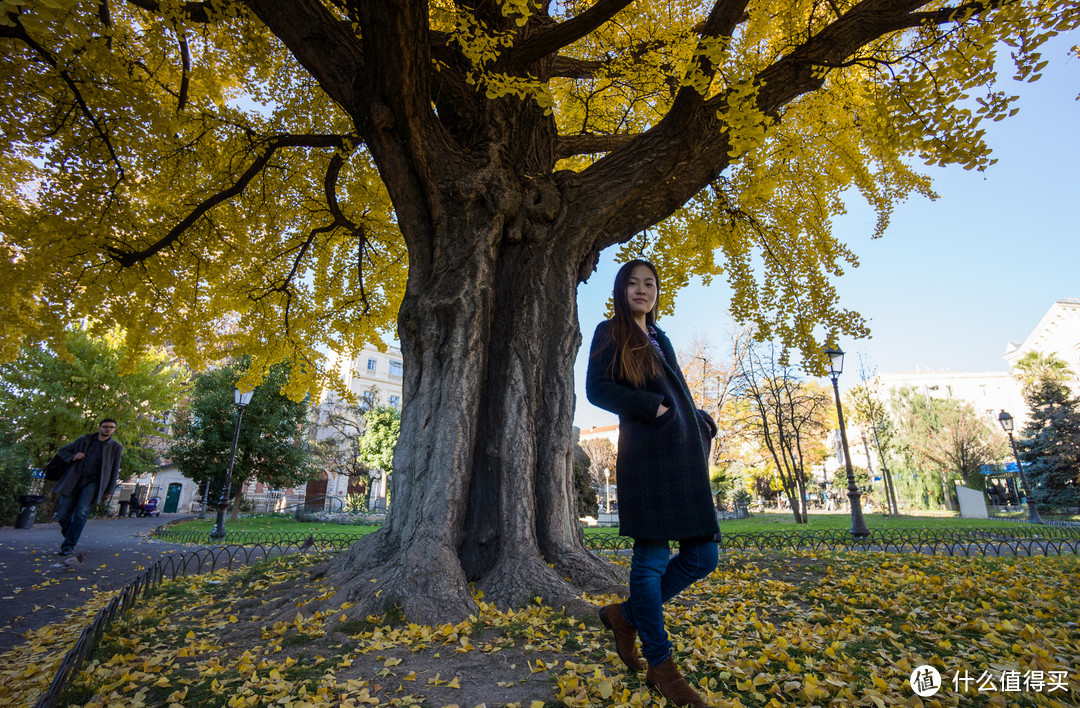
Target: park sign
[(1008, 468)]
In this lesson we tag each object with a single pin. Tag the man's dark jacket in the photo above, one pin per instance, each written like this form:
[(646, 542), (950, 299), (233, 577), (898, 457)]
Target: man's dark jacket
[(662, 470), (110, 467)]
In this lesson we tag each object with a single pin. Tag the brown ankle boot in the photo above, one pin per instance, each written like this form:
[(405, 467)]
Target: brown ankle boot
[(625, 636), (669, 683)]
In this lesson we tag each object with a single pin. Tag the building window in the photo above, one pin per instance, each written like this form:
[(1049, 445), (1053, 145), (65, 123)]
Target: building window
[(371, 364), (396, 368), (368, 400), (395, 402)]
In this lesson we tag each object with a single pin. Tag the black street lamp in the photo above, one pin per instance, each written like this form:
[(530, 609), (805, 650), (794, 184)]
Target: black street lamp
[(858, 524), (241, 399), (205, 496), (704, 363), (1007, 424)]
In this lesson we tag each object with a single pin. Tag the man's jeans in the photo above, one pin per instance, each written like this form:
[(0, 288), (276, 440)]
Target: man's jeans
[(655, 578), (73, 510)]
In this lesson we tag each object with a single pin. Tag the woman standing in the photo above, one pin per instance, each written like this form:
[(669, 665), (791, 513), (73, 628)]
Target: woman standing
[(662, 473)]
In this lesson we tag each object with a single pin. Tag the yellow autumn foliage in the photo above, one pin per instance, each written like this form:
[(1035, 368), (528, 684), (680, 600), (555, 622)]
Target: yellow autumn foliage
[(829, 640), (174, 169)]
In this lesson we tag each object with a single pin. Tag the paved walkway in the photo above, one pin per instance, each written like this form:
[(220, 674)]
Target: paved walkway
[(35, 590)]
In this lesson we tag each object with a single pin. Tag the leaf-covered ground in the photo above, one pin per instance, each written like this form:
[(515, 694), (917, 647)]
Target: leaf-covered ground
[(764, 630)]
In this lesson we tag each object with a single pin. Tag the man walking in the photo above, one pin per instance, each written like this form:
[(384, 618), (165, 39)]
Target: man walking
[(91, 478)]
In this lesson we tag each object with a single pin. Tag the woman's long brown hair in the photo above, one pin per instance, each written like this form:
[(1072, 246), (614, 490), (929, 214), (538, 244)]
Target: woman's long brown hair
[(635, 360)]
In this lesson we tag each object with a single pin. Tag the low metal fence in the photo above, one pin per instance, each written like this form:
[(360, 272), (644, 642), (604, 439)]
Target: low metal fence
[(1014, 539), (256, 538), (1046, 522), (1017, 541), (201, 560)]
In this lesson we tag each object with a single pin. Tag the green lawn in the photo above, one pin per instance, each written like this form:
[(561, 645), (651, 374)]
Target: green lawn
[(267, 523), (759, 522)]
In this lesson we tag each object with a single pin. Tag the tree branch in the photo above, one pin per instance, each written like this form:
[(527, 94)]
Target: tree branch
[(949, 14), (565, 33), (185, 66), (326, 47), (357, 230), (570, 145), (655, 173), (570, 68), (193, 11), (19, 32), (724, 17), (127, 258)]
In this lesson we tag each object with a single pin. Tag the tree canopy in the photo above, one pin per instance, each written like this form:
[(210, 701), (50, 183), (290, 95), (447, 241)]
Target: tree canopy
[(48, 397), (272, 445), (189, 163), (946, 439), (1049, 445), (867, 411), (1036, 369), (381, 430)]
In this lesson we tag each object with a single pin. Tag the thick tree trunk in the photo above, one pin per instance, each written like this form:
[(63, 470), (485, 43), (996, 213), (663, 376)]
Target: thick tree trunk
[(801, 515), (483, 484)]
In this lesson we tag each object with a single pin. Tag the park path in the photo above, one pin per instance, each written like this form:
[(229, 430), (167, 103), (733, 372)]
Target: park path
[(35, 590)]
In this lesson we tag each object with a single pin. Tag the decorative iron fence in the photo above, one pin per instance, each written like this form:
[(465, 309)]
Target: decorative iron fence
[(257, 538), (1020, 540), (1046, 522), (1008, 540), (201, 560)]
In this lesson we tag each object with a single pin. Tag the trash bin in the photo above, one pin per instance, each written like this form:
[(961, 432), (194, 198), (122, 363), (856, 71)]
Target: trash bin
[(29, 504), (125, 506)]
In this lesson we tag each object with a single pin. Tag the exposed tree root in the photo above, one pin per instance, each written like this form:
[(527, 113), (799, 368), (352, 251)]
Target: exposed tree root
[(592, 573), (426, 584)]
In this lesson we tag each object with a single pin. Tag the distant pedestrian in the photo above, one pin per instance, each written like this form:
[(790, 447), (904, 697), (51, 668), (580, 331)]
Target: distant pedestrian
[(90, 479), (663, 473)]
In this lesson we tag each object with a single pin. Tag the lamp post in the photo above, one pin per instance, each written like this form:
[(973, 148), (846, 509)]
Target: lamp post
[(858, 524), (205, 495), (704, 363), (1007, 424), (241, 399), (607, 490)]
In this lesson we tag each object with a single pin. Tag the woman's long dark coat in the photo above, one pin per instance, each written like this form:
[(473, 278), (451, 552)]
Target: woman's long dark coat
[(662, 467)]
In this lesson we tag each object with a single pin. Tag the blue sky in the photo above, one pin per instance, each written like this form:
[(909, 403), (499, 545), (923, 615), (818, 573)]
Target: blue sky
[(953, 280)]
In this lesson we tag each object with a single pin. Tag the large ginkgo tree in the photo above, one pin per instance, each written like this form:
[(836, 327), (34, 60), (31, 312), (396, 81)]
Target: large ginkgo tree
[(278, 177)]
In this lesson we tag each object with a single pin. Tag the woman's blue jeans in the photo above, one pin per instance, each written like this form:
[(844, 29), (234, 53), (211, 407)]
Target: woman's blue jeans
[(655, 577), (73, 510)]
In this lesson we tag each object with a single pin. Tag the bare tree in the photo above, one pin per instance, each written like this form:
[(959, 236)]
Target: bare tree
[(711, 378), (601, 456), (337, 445), (787, 416)]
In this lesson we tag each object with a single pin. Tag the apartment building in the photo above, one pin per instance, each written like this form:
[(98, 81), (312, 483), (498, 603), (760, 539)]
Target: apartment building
[(375, 378)]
